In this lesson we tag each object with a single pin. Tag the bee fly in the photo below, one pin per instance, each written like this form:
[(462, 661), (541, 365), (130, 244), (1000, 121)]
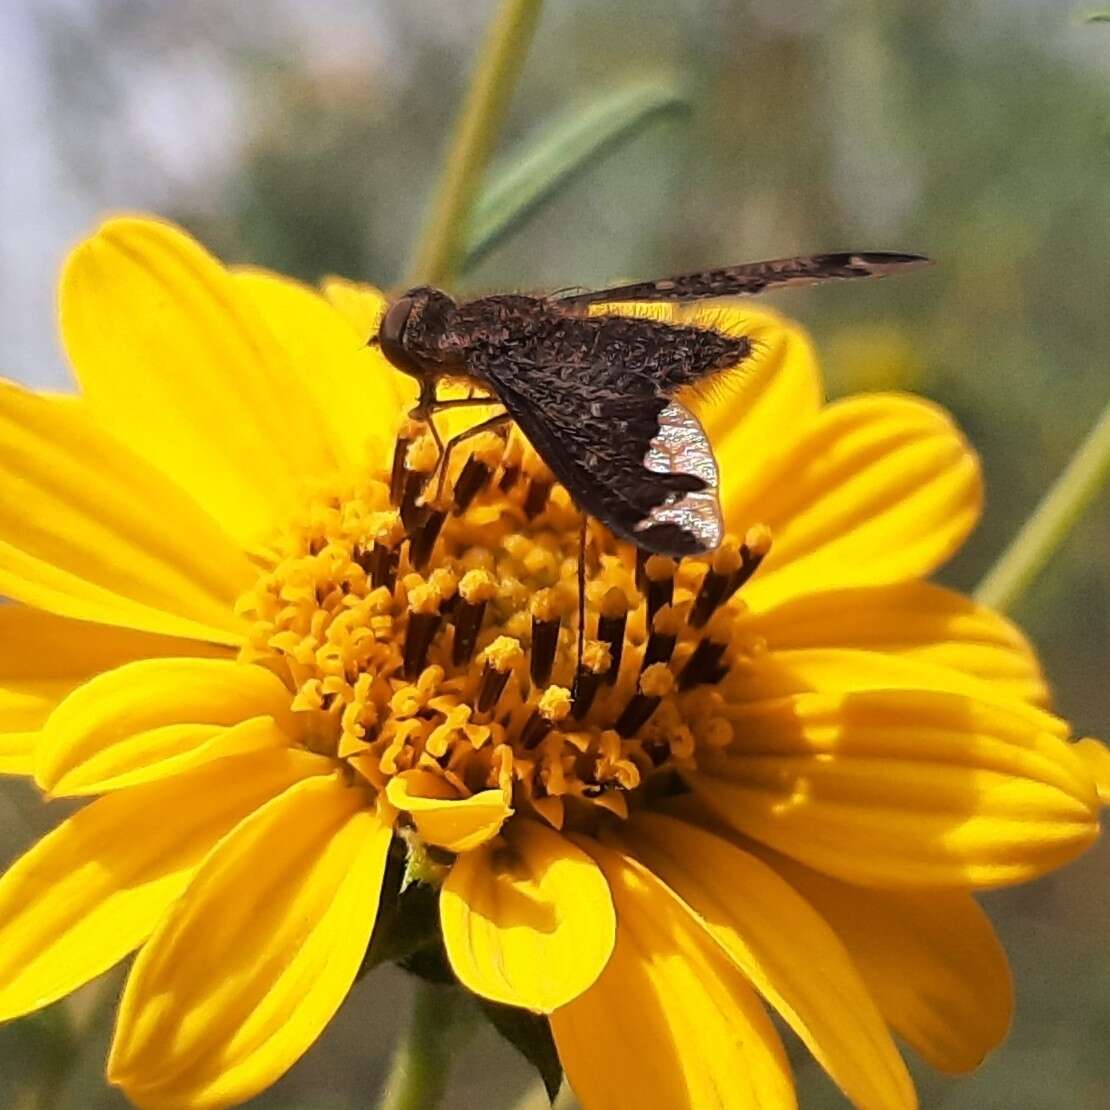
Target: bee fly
[(595, 393)]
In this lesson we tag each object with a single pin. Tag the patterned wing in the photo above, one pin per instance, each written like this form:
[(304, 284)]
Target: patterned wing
[(642, 465), (753, 277)]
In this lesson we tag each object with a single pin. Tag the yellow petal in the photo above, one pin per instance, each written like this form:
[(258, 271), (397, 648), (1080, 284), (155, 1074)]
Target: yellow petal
[(847, 670), (250, 965), (671, 1022), (89, 530), (527, 920), (442, 817), (176, 360), (752, 415), (913, 619), (903, 788), (95, 887), (930, 958), (17, 753), (879, 489), (158, 717), (43, 657), (354, 386), (362, 306), (1095, 755), (785, 948)]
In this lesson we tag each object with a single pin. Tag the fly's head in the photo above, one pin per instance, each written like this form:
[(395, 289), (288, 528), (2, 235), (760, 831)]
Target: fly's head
[(413, 335)]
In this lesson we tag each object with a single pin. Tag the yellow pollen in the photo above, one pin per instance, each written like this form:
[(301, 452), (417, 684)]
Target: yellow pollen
[(659, 568), (726, 559), (477, 586), (422, 455), (614, 603), (657, 680), (596, 656), (757, 540), (554, 703), (444, 638)]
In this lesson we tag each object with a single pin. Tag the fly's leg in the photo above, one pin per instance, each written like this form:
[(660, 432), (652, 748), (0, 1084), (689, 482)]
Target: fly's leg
[(445, 451)]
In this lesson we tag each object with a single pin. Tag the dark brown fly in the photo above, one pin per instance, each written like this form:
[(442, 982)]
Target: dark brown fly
[(594, 393)]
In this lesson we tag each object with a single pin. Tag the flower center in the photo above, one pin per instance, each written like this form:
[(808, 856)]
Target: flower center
[(433, 625)]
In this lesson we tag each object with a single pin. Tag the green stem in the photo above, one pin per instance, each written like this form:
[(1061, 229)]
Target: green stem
[(440, 252), (1053, 519), (422, 1060)]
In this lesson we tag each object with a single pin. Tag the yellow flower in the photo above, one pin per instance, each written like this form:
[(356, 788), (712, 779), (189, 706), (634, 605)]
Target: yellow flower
[(246, 622)]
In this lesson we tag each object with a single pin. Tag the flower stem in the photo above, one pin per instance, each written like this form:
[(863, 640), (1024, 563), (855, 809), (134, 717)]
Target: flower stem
[(442, 245), (1053, 519), (422, 1060)]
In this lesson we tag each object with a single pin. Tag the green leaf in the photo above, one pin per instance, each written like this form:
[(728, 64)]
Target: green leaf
[(566, 149), (1099, 17), (530, 1035)]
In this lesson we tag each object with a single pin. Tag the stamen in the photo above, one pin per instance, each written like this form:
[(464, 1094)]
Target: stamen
[(380, 563), (511, 464), (500, 658), (754, 549), (536, 498), (664, 636), (475, 590), (642, 557), (424, 540), (474, 475), (410, 430), (546, 621), (554, 706), (714, 588), (596, 663), (423, 624), (704, 665), (478, 469), (655, 683), (659, 572), (611, 625), (420, 460)]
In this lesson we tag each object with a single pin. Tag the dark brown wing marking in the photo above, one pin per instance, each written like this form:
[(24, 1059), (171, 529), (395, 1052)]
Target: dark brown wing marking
[(754, 277), (640, 465)]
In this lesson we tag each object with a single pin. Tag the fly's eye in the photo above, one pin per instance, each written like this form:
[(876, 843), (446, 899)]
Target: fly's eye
[(391, 336)]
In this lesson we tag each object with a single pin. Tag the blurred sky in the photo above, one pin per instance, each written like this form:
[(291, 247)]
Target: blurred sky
[(307, 137)]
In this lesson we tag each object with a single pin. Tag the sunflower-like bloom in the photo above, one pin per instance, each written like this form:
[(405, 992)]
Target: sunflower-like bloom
[(248, 622)]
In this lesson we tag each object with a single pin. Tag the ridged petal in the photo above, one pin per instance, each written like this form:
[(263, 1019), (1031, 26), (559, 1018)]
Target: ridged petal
[(246, 970), (175, 359), (94, 888), (930, 959), (878, 489), (442, 817), (917, 620), (361, 305), (43, 657), (752, 415), (353, 385), (527, 920), (1095, 755), (17, 752), (671, 1022), (158, 717), (903, 788), (837, 670), (89, 530), (785, 948)]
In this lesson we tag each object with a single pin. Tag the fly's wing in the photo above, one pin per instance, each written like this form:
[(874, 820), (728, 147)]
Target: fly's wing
[(753, 277), (642, 465)]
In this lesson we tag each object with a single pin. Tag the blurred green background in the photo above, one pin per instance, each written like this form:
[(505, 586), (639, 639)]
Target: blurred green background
[(307, 137)]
